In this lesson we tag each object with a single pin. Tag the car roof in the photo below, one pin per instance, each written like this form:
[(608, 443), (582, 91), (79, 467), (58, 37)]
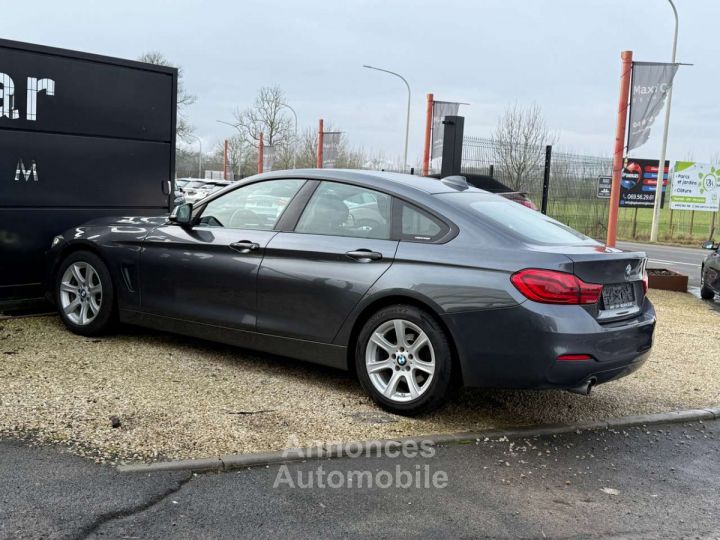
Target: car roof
[(400, 183)]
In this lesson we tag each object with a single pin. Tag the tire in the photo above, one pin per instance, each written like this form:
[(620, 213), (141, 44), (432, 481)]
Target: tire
[(706, 293), (93, 313), (398, 363)]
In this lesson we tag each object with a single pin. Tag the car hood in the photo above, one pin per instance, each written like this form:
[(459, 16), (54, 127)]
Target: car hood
[(136, 221)]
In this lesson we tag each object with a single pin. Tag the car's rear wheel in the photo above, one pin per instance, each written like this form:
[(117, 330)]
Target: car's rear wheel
[(404, 360), (84, 293), (706, 292)]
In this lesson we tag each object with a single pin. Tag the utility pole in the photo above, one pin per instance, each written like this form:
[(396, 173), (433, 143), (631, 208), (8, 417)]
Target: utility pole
[(626, 57), (407, 116), (663, 148)]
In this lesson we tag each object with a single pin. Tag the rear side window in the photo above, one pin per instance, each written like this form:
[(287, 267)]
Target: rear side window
[(344, 210), (530, 225), (418, 226)]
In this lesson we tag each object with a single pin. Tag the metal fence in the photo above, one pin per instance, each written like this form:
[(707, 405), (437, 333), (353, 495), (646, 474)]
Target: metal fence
[(572, 194)]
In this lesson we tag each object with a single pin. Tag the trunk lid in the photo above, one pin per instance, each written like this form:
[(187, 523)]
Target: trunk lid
[(620, 273)]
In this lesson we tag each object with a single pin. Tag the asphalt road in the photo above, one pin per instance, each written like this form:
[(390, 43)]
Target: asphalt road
[(681, 259), (660, 481)]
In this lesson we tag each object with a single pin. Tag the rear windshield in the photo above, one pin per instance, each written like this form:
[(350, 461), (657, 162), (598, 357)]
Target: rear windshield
[(515, 218)]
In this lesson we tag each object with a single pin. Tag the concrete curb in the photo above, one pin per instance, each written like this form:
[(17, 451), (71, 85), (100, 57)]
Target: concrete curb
[(381, 446)]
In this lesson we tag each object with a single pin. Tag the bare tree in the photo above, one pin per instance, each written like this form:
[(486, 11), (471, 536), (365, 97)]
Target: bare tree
[(519, 145), (268, 116), (184, 99), (242, 158)]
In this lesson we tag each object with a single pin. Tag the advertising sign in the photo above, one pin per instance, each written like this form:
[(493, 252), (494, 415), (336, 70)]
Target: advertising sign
[(604, 187), (695, 186), (639, 178)]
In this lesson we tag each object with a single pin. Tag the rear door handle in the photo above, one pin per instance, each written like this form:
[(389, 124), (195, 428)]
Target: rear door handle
[(364, 255), (245, 246)]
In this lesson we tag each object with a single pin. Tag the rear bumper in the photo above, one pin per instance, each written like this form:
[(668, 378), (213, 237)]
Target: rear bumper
[(518, 347)]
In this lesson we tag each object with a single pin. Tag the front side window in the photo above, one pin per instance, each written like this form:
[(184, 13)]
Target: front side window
[(256, 206), (344, 210)]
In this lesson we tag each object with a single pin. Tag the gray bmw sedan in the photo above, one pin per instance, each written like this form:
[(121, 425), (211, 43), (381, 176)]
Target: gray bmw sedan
[(415, 284)]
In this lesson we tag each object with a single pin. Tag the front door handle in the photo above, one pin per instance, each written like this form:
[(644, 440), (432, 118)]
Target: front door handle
[(364, 255), (245, 246)]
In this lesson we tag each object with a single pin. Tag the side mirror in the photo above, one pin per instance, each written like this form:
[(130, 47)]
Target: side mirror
[(182, 215), (709, 245)]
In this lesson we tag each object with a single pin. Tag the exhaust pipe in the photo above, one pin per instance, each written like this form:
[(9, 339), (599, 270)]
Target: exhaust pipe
[(585, 388)]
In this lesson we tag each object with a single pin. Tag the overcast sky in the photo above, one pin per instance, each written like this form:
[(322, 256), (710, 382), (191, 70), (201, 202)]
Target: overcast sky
[(561, 54)]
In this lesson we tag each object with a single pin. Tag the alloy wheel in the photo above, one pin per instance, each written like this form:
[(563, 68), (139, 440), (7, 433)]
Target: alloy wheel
[(80, 293), (400, 360)]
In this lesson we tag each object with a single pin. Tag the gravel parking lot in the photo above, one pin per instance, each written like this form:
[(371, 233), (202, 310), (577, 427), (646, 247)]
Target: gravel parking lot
[(172, 397)]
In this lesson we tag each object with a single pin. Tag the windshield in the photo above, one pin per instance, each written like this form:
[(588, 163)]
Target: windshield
[(195, 185), (515, 218)]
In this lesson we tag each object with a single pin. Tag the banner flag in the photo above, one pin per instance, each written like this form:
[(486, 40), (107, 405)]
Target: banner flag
[(651, 82), (268, 157), (331, 148), (440, 110)]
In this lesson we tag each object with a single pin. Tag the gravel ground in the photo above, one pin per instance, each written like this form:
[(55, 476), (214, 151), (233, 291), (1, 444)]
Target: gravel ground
[(172, 397)]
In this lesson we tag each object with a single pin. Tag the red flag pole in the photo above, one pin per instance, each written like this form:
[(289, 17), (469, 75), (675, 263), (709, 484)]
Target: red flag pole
[(225, 160), (319, 163), (626, 57), (428, 129), (261, 148)]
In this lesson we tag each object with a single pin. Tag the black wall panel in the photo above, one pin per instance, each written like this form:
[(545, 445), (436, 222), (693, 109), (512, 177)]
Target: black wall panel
[(97, 139)]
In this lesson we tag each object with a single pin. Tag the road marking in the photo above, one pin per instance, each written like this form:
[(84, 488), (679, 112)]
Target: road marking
[(673, 262)]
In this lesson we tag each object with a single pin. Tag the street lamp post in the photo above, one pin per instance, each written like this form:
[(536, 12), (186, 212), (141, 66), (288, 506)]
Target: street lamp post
[(199, 140), (229, 124), (296, 128), (407, 118), (226, 143), (663, 147)]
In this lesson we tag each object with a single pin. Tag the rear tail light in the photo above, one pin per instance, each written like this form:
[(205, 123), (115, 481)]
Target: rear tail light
[(645, 281), (528, 203), (574, 357), (553, 287)]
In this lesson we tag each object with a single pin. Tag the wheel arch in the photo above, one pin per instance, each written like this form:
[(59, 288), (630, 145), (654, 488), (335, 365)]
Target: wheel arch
[(373, 305), (64, 253)]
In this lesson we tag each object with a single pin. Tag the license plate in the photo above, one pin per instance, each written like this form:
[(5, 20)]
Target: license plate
[(618, 296)]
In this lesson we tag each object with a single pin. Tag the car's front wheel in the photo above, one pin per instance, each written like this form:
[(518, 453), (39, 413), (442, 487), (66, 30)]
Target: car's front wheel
[(706, 292), (404, 360), (84, 293)]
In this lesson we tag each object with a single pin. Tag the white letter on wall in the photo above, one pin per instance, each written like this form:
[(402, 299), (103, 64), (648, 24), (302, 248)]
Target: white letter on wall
[(7, 97), (34, 87)]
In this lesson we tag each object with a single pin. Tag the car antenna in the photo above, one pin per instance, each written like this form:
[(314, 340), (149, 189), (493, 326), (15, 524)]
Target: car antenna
[(457, 182)]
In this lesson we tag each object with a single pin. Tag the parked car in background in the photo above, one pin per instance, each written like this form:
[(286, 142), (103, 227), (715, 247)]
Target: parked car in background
[(197, 189), (710, 272), (413, 283), (488, 183)]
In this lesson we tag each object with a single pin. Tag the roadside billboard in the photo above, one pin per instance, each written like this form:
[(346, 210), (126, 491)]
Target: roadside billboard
[(695, 186), (604, 187), (639, 179)]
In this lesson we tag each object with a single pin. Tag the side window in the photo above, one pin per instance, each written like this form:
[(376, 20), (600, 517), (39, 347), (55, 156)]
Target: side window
[(345, 210), (256, 206), (420, 227)]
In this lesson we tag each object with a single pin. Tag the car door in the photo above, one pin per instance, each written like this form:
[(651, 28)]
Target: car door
[(313, 276), (208, 272)]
